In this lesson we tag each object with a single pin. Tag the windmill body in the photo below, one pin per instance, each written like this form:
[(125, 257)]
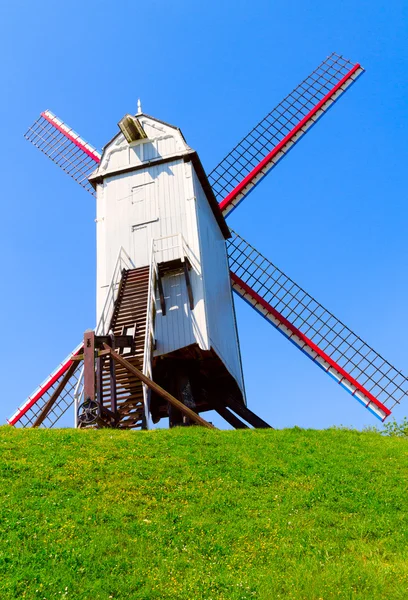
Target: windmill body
[(154, 202), (166, 265)]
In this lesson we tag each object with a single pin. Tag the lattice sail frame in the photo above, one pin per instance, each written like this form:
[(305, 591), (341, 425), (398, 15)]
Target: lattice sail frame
[(30, 410), (316, 331), (259, 151), (64, 147)]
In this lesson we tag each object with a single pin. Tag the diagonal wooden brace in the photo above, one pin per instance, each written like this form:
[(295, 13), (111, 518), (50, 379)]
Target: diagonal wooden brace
[(248, 415), (229, 416)]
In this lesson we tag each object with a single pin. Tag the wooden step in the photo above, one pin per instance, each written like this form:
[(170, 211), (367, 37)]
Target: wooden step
[(130, 309)]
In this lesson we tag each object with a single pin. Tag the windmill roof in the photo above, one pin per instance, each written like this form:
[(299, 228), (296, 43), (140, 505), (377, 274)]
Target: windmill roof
[(153, 119), (190, 154)]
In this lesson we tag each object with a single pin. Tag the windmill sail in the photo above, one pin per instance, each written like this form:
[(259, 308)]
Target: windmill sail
[(317, 332), (64, 147), (52, 398), (259, 151)]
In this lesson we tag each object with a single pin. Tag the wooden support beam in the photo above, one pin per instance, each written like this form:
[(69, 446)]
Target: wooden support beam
[(121, 341), (248, 415), (230, 417), (180, 388), (51, 401), (161, 294), (187, 266), (89, 365), (99, 381), (112, 381), (108, 415), (79, 357), (160, 391)]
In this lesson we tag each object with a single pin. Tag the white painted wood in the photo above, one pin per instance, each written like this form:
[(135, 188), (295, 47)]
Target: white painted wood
[(150, 204), (175, 330), (222, 331), (140, 243), (141, 204), (163, 141)]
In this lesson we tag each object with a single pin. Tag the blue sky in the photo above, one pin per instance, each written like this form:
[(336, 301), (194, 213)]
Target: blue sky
[(332, 215)]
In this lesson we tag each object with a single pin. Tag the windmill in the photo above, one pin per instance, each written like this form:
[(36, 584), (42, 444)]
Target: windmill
[(166, 342)]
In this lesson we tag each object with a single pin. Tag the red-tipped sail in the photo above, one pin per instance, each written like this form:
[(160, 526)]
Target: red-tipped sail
[(259, 151), (318, 333), (28, 412), (64, 147)]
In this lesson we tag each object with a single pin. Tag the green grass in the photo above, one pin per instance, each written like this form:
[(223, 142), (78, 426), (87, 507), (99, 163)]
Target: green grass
[(193, 514)]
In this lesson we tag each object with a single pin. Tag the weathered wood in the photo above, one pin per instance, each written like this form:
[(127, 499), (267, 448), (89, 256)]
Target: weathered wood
[(178, 382), (121, 341), (159, 390), (99, 381), (79, 357), (108, 414), (89, 365), (112, 381), (51, 401)]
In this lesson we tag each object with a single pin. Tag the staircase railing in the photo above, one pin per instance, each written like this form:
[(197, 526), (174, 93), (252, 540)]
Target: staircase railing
[(170, 247), (150, 333), (123, 262)]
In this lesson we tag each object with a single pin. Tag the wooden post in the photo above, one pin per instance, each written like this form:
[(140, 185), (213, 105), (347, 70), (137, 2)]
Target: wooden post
[(99, 380), (161, 294), (186, 266), (112, 379), (89, 365), (178, 382)]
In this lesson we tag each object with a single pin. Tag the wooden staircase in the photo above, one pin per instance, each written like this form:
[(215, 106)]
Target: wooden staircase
[(129, 318)]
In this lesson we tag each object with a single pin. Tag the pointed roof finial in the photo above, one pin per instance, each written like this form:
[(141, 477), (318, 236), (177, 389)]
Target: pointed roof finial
[(139, 107)]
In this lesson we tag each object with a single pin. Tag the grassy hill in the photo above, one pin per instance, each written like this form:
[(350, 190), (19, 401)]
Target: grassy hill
[(193, 514)]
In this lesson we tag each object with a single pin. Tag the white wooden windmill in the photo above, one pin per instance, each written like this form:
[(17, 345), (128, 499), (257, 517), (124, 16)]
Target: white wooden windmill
[(166, 264)]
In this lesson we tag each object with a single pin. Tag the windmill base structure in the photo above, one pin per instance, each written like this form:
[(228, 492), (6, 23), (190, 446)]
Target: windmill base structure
[(166, 341)]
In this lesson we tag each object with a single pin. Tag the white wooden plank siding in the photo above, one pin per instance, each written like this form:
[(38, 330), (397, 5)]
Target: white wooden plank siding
[(160, 202), (221, 326)]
